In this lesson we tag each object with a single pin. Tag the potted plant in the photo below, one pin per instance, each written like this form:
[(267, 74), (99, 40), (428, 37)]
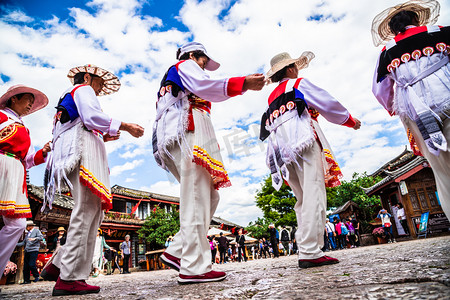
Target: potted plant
[(10, 268), (379, 234)]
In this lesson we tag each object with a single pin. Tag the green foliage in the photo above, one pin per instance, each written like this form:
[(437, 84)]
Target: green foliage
[(159, 226), (259, 229), (352, 190), (276, 205)]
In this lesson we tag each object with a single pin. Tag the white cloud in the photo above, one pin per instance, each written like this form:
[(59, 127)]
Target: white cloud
[(17, 16), (117, 170)]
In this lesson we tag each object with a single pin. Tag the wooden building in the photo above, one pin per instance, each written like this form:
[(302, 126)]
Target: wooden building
[(408, 179)]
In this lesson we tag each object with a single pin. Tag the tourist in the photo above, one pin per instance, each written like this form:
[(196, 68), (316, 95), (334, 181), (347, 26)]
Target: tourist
[(412, 80), (185, 145), (223, 246), (59, 239), (97, 260), (125, 246), (240, 243), (355, 223), (351, 234), (273, 240), (331, 233), (32, 242), (298, 151), (80, 161), (285, 238), (340, 238), (16, 154), (385, 218), (110, 256), (168, 241), (213, 245), (402, 218)]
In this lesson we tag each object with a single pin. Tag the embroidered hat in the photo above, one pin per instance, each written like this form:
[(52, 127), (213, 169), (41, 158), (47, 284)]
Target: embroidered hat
[(40, 99), (111, 82), (279, 61), (426, 10), (211, 65)]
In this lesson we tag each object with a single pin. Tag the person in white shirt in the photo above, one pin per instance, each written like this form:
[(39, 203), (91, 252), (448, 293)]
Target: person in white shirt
[(331, 233), (80, 162), (402, 217), (184, 143), (298, 151)]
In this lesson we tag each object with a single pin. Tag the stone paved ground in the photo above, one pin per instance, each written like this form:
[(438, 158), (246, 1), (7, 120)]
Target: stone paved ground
[(418, 269)]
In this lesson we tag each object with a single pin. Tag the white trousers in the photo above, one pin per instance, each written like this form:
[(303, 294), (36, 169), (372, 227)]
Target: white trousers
[(75, 258), (308, 185), (198, 202), (9, 236), (439, 164)]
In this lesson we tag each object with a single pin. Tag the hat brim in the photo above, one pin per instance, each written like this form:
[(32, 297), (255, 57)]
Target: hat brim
[(426, 10), (40, 99), (302, 62), (211, 65), (111, 82)]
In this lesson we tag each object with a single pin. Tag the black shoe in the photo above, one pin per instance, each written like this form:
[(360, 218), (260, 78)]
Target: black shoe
[(26, 282), (36, 279)]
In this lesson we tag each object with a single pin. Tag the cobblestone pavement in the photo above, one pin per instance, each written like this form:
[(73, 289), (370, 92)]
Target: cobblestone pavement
[(418, 269)]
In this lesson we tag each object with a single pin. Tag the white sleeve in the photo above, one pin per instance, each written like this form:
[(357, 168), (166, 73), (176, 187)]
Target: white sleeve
[(91, 113), (323, 102), (383, 90), (198, 82)]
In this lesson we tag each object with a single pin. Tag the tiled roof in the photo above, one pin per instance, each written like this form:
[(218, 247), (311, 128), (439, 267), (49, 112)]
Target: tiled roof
[(402, 158), (392, 175), (219, 221), (120, 190), (60, 200), (344, 207)]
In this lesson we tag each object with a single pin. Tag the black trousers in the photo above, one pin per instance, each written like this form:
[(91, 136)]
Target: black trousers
[(222, 253), (404, 224), (274, 244), (239, 249), (29, 264), (126, 262)]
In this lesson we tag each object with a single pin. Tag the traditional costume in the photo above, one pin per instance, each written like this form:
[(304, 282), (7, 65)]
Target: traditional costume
[(298, 151), (79, 161), (184, 143), (16, 155), (412, 80)]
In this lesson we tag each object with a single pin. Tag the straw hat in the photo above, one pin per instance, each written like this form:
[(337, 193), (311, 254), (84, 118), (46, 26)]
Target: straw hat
[(111, 84), (426, 10), (40, 100), (61, 229), (279, 61), (30, 223), (211, 65)]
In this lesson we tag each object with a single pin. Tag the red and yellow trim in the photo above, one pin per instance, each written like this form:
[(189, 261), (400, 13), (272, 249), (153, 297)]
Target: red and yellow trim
[(213, 166), (11, 210), (96, 187)]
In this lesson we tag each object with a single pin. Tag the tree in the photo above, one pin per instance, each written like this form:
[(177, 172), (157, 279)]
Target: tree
[(352, 190), (259, 229), (159, 226), (276, 205)]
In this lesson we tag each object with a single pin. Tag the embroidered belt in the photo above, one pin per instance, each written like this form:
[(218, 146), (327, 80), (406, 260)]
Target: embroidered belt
[(11, 155)]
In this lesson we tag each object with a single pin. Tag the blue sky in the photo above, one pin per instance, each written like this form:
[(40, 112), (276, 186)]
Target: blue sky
[(42, 40)]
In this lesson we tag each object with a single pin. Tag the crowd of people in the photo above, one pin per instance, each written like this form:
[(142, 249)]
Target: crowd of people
[(411, 80)]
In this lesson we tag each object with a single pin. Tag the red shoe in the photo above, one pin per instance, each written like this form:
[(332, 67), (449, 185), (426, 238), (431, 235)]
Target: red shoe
[(321, 261), (207, 277), (170, 261), (50, 272), (77, 287)]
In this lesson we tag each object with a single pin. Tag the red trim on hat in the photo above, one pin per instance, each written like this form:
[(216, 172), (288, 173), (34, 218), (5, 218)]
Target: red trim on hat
[(235, 85)]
